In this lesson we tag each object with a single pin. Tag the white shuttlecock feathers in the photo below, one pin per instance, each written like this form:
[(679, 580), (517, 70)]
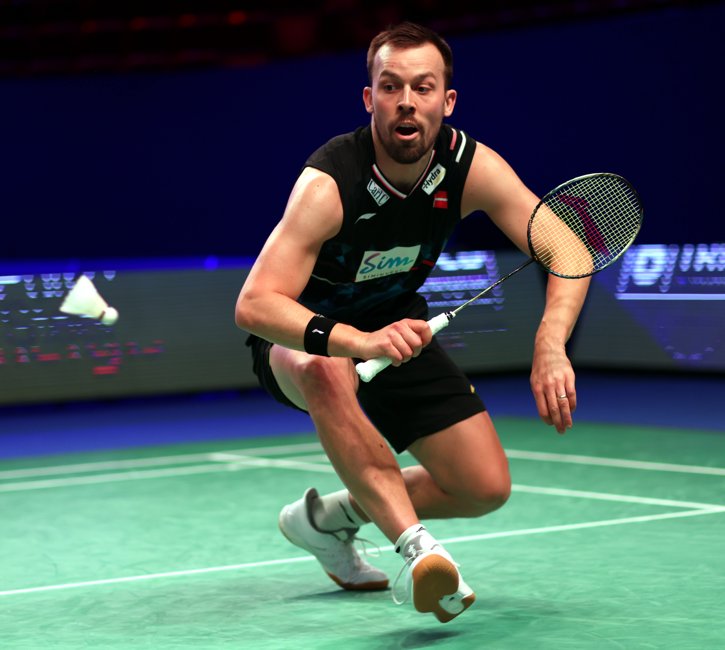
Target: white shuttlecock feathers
[(84, 300)]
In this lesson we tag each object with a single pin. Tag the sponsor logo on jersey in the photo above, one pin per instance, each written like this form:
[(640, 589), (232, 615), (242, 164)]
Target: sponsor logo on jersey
[(367, 215), (378, 264), (380, 196), (433, 180)]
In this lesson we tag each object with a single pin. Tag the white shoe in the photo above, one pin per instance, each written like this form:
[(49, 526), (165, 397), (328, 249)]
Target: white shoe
[(433, 582), (334, 550)]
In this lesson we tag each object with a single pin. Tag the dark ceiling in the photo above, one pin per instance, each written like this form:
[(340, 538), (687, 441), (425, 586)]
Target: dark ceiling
[(60, 37)]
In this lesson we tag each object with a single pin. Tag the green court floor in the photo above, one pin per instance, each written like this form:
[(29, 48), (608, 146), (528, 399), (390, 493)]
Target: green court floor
[(613, 538)]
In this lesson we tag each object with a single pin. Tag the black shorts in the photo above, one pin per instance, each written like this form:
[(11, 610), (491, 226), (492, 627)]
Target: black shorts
[(420, 397)]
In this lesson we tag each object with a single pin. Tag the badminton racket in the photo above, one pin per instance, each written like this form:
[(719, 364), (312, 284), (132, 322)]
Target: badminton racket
[(576, 230)]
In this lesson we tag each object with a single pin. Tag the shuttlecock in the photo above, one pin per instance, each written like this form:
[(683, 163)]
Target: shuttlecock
[(84, 300)]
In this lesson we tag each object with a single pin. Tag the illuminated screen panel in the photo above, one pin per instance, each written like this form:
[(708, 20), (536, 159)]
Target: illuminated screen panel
[(660, 306), (176, 331)]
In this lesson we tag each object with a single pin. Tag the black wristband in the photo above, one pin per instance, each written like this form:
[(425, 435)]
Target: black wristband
[(317, 334)]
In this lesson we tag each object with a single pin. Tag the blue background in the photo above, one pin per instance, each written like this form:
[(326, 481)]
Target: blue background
[(201, 162)]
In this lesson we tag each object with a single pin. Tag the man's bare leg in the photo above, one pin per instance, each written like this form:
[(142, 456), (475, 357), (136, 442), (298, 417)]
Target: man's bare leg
[(326, 388)]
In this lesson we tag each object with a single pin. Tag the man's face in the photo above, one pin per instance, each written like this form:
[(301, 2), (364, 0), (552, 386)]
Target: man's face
[(408, 100)]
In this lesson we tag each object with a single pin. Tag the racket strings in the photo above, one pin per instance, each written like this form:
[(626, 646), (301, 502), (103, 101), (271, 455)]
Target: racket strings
[(585, 225)]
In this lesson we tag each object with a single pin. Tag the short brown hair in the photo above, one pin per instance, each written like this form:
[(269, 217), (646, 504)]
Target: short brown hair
[(407, 35)]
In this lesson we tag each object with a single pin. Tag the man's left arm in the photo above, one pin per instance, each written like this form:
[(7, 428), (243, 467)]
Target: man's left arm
[(493, 187), (552, 375)]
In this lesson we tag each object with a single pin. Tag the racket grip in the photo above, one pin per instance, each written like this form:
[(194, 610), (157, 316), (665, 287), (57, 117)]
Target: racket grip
[(368, 369), (437, 323)]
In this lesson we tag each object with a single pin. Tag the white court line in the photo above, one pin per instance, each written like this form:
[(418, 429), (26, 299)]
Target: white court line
[(234, 461), (133, 463), (452, 540), (284, 463), (604, 496), (72, 481), (154, 576), (241, 462), (587, 524), (233, 454), (614, 462), (238, 462)]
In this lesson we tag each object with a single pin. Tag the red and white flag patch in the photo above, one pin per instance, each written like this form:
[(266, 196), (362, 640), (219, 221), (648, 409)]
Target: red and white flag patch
[(440, 200)]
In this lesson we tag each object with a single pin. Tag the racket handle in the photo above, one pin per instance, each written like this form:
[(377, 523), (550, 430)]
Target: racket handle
[(368, 369), (437, 323)]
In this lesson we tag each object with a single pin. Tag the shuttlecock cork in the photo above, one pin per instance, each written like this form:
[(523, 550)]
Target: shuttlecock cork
[(84, 300)]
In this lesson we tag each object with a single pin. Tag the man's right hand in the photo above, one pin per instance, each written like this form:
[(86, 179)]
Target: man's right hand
[(399, 341)]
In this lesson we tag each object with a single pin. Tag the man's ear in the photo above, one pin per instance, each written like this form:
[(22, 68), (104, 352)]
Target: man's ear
[(368, 99), (450, 102)]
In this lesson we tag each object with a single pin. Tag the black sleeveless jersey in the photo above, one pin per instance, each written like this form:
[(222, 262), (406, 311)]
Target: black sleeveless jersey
[(368, 274)]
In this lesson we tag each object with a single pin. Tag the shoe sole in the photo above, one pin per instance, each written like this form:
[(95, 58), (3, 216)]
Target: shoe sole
[(434, 578), (444, 616), (349, 586), (363, 586)]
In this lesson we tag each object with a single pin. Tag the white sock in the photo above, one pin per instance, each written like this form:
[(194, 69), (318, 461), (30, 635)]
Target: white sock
[(334, 511), (409, 534), (418, 536)]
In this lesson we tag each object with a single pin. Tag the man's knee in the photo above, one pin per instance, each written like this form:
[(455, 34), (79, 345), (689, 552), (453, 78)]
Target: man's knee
[(485, 495), (494, 494), (304, 378), (322, 375)]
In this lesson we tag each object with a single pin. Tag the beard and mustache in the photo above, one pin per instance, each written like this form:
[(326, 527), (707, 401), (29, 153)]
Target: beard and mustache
[(405, 152)]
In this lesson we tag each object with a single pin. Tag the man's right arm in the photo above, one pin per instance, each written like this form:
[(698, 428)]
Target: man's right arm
[(267, 305)]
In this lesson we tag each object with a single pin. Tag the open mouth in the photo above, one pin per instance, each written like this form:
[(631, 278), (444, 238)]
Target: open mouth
[(406, 130)]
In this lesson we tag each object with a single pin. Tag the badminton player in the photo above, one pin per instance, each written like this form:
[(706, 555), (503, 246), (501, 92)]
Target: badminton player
[(337, 281)]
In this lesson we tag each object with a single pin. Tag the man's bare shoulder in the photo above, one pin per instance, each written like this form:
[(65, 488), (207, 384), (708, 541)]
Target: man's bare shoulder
[(315, 203)]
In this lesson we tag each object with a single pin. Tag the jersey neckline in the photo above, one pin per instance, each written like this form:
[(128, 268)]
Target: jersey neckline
[(394, 190)]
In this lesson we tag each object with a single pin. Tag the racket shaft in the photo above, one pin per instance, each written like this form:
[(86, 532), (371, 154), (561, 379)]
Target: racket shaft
[(368, 369), (492, 286)]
